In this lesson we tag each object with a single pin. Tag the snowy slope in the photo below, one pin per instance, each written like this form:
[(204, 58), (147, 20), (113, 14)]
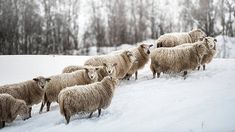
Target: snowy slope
[(205, 101)]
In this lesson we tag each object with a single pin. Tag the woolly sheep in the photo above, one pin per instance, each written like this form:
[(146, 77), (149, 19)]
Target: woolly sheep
[(210, 44), (177, 59), (123, 60), (174, 39), (61, 81), (141, 54), (105, 70), (87, 98), (30, 91), (10, 108)]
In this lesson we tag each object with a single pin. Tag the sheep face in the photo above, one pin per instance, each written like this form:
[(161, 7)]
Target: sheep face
[(110, 68), (92, 73), (131, 57), (146, 48), (211, 42), (41, 81)]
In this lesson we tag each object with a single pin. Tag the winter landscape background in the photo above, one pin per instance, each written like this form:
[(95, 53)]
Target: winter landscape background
[(74, 26), (41, 37)]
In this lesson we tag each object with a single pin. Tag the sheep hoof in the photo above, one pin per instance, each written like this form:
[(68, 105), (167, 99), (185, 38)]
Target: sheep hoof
[(99, 112), (204, 67), (90, 115)]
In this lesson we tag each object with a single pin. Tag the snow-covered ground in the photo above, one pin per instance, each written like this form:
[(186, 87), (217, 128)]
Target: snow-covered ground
[(204, 102)]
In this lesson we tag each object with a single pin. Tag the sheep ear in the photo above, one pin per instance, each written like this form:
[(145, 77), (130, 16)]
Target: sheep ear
[(36, 79), (104, 64), (114, 64), (47, 79), (86, 69), (142, 45)]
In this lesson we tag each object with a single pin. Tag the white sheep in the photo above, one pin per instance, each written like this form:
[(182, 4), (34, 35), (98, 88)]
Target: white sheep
[(174, 39), (141, 54), (123, 60), (61, 81), (177, 59), (87, 98), (106, 70)]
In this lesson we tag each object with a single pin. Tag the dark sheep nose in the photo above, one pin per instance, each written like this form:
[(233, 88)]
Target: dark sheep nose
[(148, 52)]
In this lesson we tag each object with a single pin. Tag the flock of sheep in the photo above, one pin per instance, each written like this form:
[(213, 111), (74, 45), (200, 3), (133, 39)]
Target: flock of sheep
[(85, 89)]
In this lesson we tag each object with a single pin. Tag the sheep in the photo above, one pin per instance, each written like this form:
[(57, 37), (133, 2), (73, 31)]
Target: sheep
[(123, 60), (211, 52), (210, 44), (174, 39), (61, 81), (105, 70), (10, 108), (141, 54), (87, 98), (177, 59), (30, 91)]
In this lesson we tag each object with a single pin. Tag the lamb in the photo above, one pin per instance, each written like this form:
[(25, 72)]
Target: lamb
[(61, 81), (124, 62), (10, 108), (177, 59), (107, 69), (87, 98), (141, 54), (30, 91), (174, 39)]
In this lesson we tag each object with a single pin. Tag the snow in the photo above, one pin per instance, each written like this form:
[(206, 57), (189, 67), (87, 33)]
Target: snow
[(205, 101)]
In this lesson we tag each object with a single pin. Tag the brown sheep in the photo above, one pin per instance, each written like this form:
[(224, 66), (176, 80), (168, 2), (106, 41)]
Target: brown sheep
[(61, 81), (10, 108), (30, 91), (174, 39)]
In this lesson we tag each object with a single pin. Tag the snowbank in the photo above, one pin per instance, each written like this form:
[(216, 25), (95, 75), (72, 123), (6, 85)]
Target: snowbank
[(205, 101)]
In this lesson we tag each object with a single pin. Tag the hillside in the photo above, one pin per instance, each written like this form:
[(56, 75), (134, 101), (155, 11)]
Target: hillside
[(205, 101)]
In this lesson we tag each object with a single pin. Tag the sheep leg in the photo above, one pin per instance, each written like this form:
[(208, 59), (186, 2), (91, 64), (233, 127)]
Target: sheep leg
[(90, 115), (198, 68), (158, 75), (99, 112), (185, 73), (204, 67), (136, 74), (30, 109), (43, 103), (67, 118), (48, 105)]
